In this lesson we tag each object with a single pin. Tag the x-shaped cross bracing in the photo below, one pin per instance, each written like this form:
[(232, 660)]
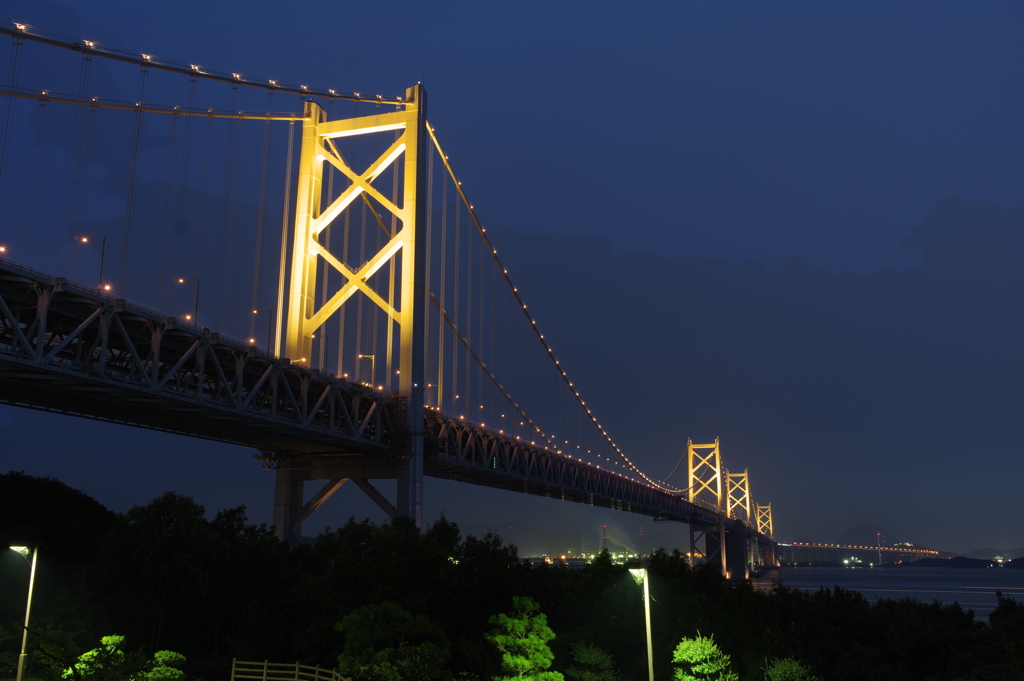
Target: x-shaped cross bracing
[(700, 466), (319, 150)]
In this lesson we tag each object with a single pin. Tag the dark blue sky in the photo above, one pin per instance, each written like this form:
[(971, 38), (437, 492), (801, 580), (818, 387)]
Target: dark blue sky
[(819, 199)]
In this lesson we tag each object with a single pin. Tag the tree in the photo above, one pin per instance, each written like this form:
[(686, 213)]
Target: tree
[(384, 641), (596, 665), (109, 662), (523, 641), (788, 669), (166, 666), (700, 659)]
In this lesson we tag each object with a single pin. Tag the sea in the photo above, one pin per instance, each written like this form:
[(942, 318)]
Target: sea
[(972, 588)]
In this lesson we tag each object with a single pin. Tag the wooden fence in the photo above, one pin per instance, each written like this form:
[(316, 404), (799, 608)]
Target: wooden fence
[(281, 671)]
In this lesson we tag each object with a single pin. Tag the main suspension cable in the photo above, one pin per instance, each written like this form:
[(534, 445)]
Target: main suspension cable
[(533, 324)]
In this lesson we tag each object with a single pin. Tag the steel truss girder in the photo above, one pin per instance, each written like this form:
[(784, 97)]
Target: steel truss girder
[(465, 452), (69, 349)]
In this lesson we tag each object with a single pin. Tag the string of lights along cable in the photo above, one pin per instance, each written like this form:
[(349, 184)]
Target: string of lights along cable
[(182, 183)]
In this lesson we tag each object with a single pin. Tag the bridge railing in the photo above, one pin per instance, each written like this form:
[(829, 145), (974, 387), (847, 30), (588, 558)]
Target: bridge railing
[(242, 670)]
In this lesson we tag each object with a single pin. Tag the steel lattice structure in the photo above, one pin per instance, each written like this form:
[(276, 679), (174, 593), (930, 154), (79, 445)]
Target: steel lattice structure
[(71, 350)]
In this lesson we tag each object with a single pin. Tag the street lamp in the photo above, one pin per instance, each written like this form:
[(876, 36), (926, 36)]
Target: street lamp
[(270, 326), (373, 364), (195, 311), (638, 569), (103, 253), (23, 550)]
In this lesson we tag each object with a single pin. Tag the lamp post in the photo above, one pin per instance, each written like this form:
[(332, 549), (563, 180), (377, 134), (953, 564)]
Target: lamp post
[(270, 326), (639, 571), (195, 310), (23, 550), (103, 253), (373, 364)]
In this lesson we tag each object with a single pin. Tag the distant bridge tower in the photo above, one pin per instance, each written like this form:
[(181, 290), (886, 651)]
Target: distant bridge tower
[(764, 519), (738, 487), (404, 248), (704, 466)]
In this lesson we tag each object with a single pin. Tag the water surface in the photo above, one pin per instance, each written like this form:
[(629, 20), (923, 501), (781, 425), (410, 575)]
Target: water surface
[(973, 588)]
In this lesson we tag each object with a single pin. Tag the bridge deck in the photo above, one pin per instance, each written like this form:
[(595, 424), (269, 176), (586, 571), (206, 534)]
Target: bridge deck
[(69, 349)]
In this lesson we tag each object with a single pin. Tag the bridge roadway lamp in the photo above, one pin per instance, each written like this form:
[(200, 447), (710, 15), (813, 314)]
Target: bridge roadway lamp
[(195, 310), (103, 253), (638, 568), (373, 366), (270, 327), (24, 551)]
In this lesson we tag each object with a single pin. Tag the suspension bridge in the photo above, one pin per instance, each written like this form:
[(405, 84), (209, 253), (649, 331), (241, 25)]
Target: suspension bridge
[(378, 335)]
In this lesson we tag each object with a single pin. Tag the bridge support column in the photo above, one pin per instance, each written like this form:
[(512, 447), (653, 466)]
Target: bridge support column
[(736, 553), (414, 257), (289, 509)]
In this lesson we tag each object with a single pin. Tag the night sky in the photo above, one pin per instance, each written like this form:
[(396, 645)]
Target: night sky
[(796, 226)]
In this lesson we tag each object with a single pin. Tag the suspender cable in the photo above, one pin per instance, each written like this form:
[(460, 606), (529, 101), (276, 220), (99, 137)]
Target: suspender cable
[(5, 131), (40, 138), (201, 220), (455, 347), (285, 211), (83, 200), (74, 166), (227, 220), (179, 223), (360, 340), (480, 316), (494, 330), (261, 214), (551, 357), (470, 411), (375, 313), (443, 278), (390, 375), (343, 313), (133, 168), (162, 255), (427, 355)]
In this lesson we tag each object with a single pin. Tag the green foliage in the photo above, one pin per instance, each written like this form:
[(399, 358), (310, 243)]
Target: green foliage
[(107, 656), (385, 642), (109, 662), (699, 659), (522, 639), (595, 664), (166, 666), (169, 576), (787, 669)]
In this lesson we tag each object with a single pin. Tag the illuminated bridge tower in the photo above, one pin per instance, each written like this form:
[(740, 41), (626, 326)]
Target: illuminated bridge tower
[(705, 486), (404, 255)]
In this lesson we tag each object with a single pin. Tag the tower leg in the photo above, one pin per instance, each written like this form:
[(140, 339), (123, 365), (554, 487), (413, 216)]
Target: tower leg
[(736, 553), (693, 548), (721, 543), (287, 502), (410, 486)]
